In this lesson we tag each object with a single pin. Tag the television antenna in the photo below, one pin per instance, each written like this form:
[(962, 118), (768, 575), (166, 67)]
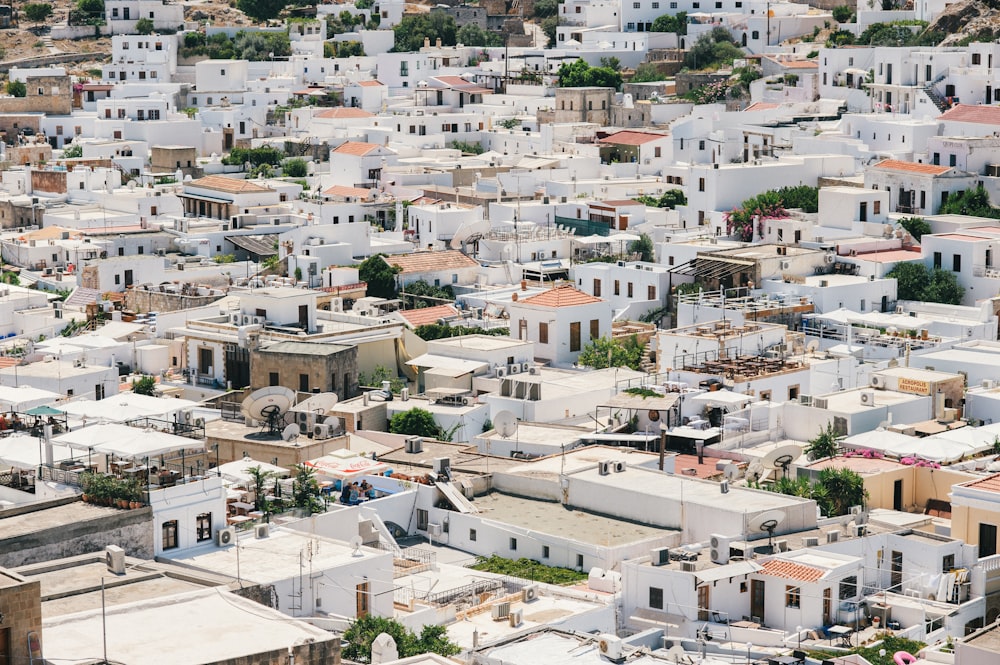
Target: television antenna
[(269, 406), (767, 522), (781, 458), (356, 543)]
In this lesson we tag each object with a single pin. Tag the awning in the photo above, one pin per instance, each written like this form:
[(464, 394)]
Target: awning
[(346, 469), (24, 452), (432, 361), (447, 372), (693, 433), (727, 572), (238, 471), (722, 397), (125, 441), (638, 402), (262, 245), (712, 268)]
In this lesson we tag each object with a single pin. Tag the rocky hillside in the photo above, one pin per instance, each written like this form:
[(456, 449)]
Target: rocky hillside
[(968, 20)]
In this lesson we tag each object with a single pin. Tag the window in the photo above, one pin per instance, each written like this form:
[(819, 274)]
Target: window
[(755, 34), (656, 151), (618, 288), (937, 260), (628, 290), (987, 540), (574, 337), (597, 288), (118, 279), (656, 5), (952, 160), (876, 207), (651, 291), (579, 561), (363, 603), (422, 519), (472, 535), (956, 263), (701, 145), (793, 596), (303, 383), (513, 544), (976, 58), (545, 551), (636, 5), (169, 534), (701, 184), (273, 379), (595, 328), (848, 588), (655, 598), (203, 527), (543, 333), (947, 563)]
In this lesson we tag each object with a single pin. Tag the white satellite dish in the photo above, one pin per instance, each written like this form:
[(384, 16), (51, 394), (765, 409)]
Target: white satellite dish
[(333, 422), (677, 654), (290, 433), (766, 522), (469, 232), (812, 346), (505, 424), (356, 543), (781, 458), (319, 403), (861, 518), (731, 472), (755, 471), (269, 405)]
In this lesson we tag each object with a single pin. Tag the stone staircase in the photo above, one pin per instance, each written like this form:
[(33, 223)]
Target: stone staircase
[(646, 362)]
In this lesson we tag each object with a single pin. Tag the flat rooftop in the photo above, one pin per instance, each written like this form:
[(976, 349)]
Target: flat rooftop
[(52, 518), (480, 342), (556, 519), (849, 401), (987, 639), (463, 457), (540, 434)]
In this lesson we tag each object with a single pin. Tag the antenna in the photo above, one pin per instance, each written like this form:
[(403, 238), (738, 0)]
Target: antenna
[(269, 405), (755, 471), (781, 458), (356, 543), (767, 522), (505, 424)]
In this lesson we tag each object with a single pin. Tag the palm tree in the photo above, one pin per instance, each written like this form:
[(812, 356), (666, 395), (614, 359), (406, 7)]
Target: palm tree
[(824, 445), (844, 487), (259, 477)]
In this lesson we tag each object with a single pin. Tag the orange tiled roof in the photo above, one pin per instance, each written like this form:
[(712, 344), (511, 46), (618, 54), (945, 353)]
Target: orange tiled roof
[(347, 192), (344, 112), (7, 361), (231, 185), (430, 261), (912, 167), (981, 115), (791, 571), (370, 84), (761, 106), (989, 484), (631, 138), (562, 296), (356, 148), (428, 315)]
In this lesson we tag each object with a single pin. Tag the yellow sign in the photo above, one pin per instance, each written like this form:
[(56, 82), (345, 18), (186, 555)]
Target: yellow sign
[(913, 386)]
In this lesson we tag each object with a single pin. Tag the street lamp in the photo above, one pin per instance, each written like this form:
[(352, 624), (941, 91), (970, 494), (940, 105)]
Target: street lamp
[(798, 631), (749, 646)]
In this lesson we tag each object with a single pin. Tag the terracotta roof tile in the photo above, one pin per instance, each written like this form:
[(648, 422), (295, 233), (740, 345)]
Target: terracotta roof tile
[(980, 115), (791, 571), (370, 84), (344, 112), (349, 192), (428, 315), (430, 261), (562, 296), (631, 138), (761, 106), (989, 484), (231, 185), (912, 167), (356, 148)]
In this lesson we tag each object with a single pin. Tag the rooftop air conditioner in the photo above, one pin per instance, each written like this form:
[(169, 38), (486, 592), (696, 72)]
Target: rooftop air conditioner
[(262, 530), (618, 466), (501, 372), (868, 397), (434, 530), (832, 536), (604, 468), (515, 617), (321, 431), (225, 536), (810, 541), (660, 556), (500, 611), (610, 647), (877, 381), (720, 548), (442, 466), (114, 557), (529, 593), (534, 370), (414, 444), (514, 368)]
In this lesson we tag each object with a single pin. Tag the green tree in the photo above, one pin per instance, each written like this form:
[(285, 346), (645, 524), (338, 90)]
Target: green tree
[(844, 488), (363, 631), (975, 202), (544, 8), (911, 279), (261, 10), (943, 288), (73, 151), (144, 386), (643, 247), (915, 226), (432, 331), (295, 168), (427, 290), (647, 72), (549, 25), (350, 49), (824, 444), (605, 352), (843, 13), (144, 26), (471, 34), (379, 374), (669, 199), (579, 74), (305, 489), (411, 31), (17, 89), (254, 156), (37, 12), (379, 276), (416, 422), (258, 477), (671, 23), (712, 51)]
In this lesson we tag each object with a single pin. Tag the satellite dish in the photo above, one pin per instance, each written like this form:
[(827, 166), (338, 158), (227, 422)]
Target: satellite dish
[(813, 346), (333, 422), (320, 403), (767, 522), (781, 458), (732, 472), (505, 424), (469, 232), (861, 518), (290, 433), (356, 543), (269, 405), (677, 654), (755, 471)]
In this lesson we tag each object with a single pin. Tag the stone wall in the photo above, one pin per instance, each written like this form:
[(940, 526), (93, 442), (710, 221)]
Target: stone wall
[(326, 372), (21, 607), (141, 300), (50, 182), (132, 530), (685, 83), (51, 95)]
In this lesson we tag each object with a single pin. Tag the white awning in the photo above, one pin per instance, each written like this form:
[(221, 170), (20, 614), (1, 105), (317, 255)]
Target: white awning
[(24, 452), (125, 441), (238, 471), (727, 572), (433, 361), (724, 397), (126, 406)]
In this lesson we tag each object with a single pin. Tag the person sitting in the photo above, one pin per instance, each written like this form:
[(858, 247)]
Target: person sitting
[(16, 423), (3, 423), (345, 493)]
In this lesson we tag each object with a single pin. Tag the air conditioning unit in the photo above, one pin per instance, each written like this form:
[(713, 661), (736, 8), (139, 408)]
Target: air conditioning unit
[(877, 381), (526, 367), (618, 466), (534, 370), (404, 394), (262, 530), (414, 444), (305, 421), (234, 319), (321, 431), (988, 384), (660, 556), (501, 372), (806, 400), (610, 647), (900, 310), (786, 265), (820, 402), (259, 320), (247, 320), (529, 593), (689, 566), (810, 541), (225, 536), (604, 468), (832, 536), (500, 611), (468, 490), (515, 617), (868, 397), (114, 557), (442, 466), (514, 368), (720, 548), (434, 530), (199, 422)]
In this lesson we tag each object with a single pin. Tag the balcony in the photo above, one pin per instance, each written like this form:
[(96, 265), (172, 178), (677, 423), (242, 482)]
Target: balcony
[(985, 271)]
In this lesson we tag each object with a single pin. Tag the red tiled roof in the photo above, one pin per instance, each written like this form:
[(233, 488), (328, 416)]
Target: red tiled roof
[(912, 167), (761, 106), (891, 255), (562, 296), (7, 361), (980, 115), (231, 185), (356, 148), (962, 236), (428, 315), (989, 484), (791, 571), (631, 138), (451, 80), (430, 261), (344, 112), (799, 64), (370, 84), (349, 192)]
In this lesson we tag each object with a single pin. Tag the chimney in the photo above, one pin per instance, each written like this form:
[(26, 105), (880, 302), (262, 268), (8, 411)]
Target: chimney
[(427, 42), (437, 43), (524, 285)]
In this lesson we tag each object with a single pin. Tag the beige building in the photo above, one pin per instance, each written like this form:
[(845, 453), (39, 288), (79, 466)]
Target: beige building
[(306, 367), (975, 518), (583, 105)]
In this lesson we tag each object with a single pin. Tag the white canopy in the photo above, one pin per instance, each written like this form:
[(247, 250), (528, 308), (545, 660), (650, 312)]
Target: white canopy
[(346, 469), (724, 397), (23, 398), (238, 471), (125, 441), (24, 452), (930, 448), (591, 240), (878, 439), (126, 406), (623, 237)]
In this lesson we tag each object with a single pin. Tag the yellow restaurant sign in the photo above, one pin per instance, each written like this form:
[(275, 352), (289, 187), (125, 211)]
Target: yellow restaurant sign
[(913, 386)]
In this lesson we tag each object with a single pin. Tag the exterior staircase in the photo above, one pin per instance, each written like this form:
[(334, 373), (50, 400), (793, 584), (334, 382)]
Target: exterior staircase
[(940, 102), (82, 297), (646, 363)]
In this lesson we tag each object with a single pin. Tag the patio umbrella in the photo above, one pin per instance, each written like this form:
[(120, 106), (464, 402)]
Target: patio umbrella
[(44, 410)]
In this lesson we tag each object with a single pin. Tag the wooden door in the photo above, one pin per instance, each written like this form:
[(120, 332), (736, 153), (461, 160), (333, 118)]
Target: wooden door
[(757, 601)]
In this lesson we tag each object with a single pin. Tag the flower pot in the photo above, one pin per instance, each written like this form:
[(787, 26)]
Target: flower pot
[(85, 498)]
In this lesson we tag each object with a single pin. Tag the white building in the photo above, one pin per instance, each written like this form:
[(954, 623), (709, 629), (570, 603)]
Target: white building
[(560, 322)]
